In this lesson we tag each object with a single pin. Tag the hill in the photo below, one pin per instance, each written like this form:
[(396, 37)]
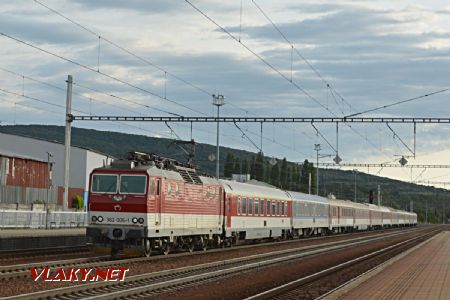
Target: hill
[(285, 174)]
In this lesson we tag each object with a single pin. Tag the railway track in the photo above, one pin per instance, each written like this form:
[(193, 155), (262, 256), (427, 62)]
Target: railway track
[(23, 270), (293, 289), (42, 252), (145, 285)]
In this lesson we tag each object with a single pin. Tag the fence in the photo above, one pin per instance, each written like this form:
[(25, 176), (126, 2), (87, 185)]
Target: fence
[(25, 195), (41, 219)]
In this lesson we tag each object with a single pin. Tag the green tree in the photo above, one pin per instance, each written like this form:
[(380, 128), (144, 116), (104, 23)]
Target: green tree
[(229, 165), (257, 170), (245, 167), (275, 175), (284, 174)]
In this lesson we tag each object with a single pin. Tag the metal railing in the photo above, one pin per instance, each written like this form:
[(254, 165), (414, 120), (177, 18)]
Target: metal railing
[(41, 219)]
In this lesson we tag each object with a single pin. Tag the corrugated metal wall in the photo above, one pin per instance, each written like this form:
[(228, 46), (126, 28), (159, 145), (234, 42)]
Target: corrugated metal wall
[(24, 172), (23, 195)]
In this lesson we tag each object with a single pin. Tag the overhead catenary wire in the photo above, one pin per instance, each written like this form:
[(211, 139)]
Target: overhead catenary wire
[(74, 92), (146, 61), (248, 138), (400, 102), (143, 90), (273, 68), (325, 82)]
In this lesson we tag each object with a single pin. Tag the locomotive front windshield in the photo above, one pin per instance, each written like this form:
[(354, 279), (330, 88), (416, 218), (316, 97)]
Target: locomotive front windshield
[(102, 183), (133, 184)]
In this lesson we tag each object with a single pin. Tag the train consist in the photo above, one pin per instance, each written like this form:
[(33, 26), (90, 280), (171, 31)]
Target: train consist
[(148, 204)]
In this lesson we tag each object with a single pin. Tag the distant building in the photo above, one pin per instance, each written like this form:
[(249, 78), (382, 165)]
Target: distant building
[(33, 169)]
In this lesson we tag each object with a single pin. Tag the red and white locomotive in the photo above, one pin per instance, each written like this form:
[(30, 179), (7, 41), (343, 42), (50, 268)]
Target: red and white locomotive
[(148, 203)]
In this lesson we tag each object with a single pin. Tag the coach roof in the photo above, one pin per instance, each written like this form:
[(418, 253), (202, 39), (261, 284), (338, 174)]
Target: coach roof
[(253, 190)]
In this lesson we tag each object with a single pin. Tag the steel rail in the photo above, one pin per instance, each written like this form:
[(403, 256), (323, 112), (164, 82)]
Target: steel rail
[(375, 269), (21, 270), (293, 285), (156, 281)]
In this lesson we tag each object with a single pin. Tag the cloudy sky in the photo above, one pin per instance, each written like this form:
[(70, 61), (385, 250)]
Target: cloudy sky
[(370, 53)]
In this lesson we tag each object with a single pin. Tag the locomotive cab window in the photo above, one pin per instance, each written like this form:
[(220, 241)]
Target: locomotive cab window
[(104, 183), (133, 184)]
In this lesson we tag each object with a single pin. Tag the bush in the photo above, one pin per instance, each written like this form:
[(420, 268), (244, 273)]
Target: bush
[(39, 202), (77, 202)]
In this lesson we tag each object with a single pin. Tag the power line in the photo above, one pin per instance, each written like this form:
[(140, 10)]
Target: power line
[(99, 72), (146, 61), (334, 93), (399, 102), (298, 87), (248, 138), (132, 54)]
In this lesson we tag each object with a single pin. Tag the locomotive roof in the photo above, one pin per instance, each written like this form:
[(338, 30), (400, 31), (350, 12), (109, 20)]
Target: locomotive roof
[(253, 190), (158, 172)]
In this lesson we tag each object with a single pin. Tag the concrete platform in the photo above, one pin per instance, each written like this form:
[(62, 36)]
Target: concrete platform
[(423, 273), (19, 239)]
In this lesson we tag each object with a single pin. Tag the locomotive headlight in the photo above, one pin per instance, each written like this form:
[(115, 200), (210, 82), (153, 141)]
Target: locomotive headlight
[(94, 219), (141, 220), (134, 220), (100, 218)]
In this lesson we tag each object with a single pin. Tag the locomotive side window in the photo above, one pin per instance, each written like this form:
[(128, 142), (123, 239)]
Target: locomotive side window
[(157, 187), (133, 184), (102, 183)]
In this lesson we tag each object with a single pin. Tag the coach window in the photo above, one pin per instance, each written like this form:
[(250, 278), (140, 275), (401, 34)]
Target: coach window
[(268, 207), (285, 209), (250, 206), (239, 206), (262, 207), (256, 207), (282, 208), (274, 208), (244, 206)]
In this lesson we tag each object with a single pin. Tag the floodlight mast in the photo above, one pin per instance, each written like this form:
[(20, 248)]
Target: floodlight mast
[(218, 101)]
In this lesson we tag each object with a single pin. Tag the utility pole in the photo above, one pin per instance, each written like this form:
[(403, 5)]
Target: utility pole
[(379, 195), (317, 148), (354, 172), (218, 101), (309, 184), (67, 142), (49, 184)]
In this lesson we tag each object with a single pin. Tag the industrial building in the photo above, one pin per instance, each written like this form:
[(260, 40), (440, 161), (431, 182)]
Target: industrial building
[(33, 169)]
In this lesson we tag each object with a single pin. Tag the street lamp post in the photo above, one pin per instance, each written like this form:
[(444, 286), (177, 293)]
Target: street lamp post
[(218, 101)]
